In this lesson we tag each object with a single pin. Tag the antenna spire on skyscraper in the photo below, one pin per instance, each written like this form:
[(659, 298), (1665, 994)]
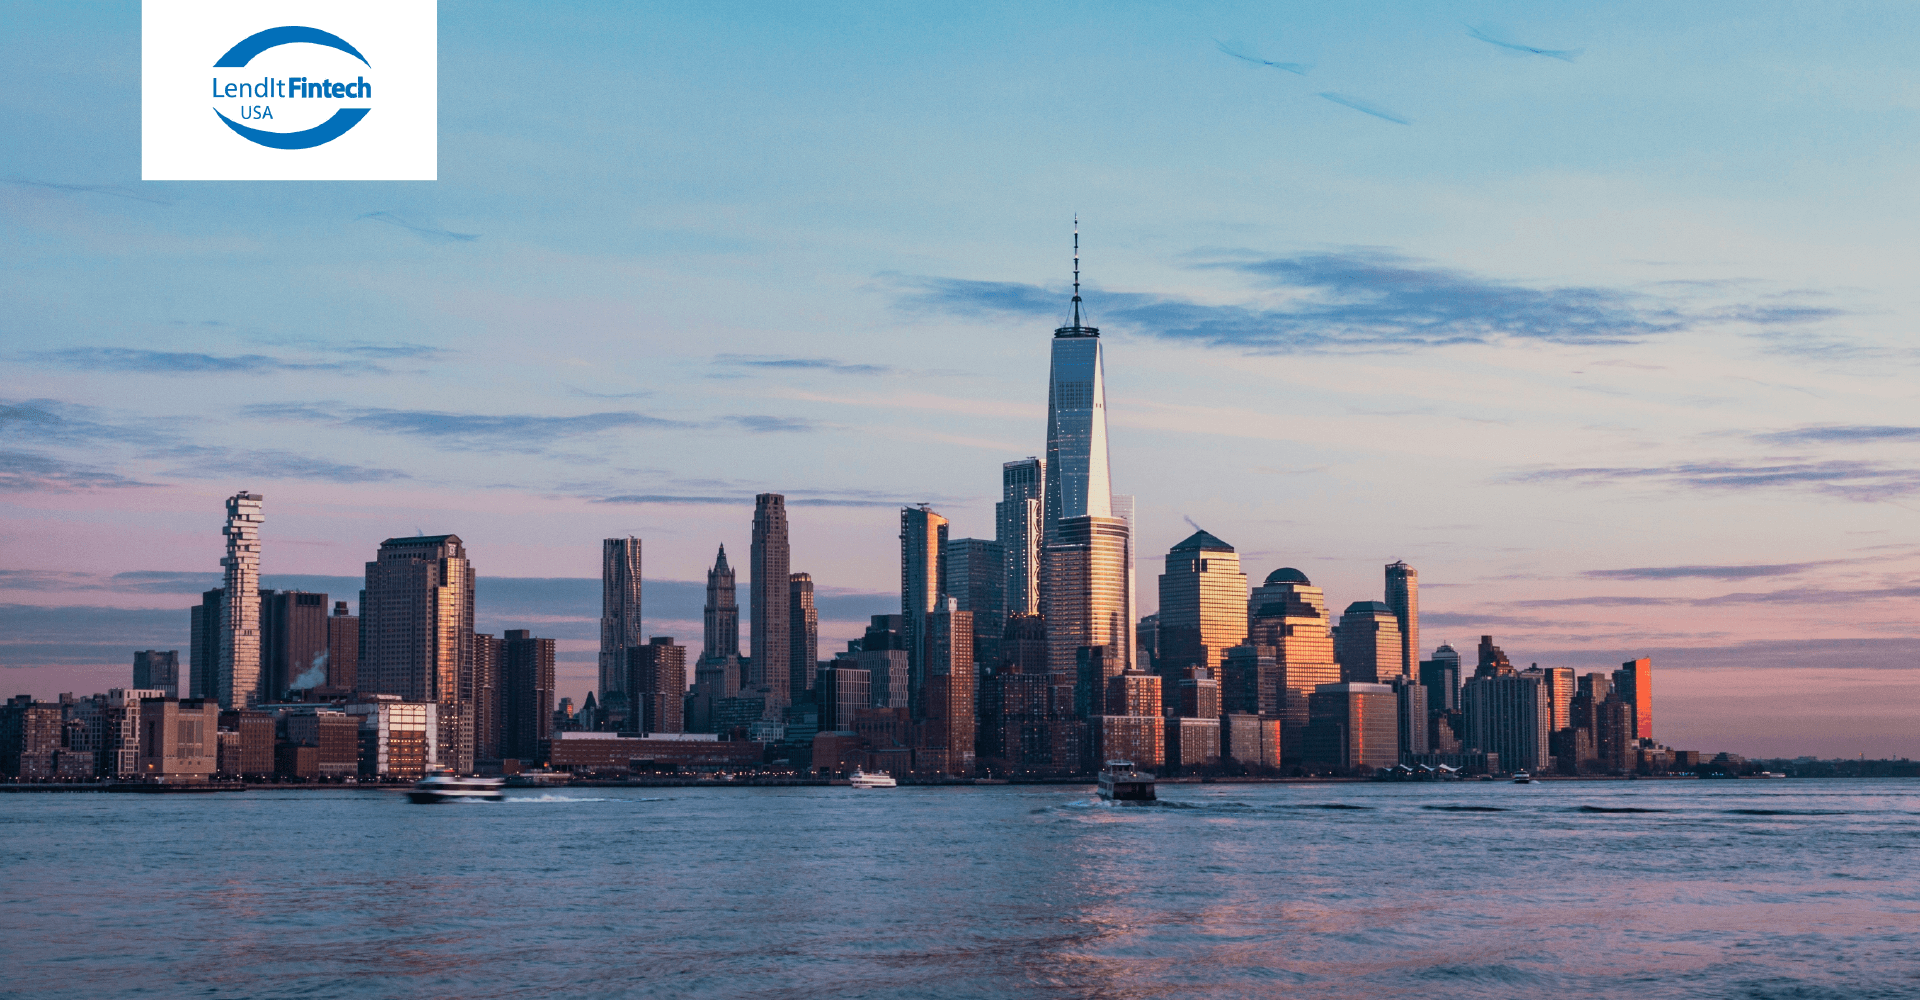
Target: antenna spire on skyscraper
[(1076, 269)]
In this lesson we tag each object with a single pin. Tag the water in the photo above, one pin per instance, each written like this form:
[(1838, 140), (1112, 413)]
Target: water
[(1803, 889)]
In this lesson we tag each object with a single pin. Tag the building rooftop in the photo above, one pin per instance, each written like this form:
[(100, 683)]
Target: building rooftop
[(1287, 574), (1362, 607), (1202, 541)]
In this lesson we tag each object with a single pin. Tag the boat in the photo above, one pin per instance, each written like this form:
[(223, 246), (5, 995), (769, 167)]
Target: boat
[(442, 786), (1120, 781), (1522, 778), (861, 779)]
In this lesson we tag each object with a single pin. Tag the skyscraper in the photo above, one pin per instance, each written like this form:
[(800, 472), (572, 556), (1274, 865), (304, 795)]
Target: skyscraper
[(155, 669), (947, 715), (1018, 528), (1403, 596), (976, 577), (657, 686), (1077, 481), (1085, 602), (803, 635), (1291, 620), (526, 679), (1355, 726), (203, 646), (923, 550), (1369, 647), (1493, 660), (343, 649), (489, 698), (1441, 675), (1508, 714), (293, 641), (722, 613), (1633, 684), (239, 671), (619, 609), (1203, 606), (769, 577), (417, 617)]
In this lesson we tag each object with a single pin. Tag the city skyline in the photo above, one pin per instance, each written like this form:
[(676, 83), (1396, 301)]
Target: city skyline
[(1613, 391)]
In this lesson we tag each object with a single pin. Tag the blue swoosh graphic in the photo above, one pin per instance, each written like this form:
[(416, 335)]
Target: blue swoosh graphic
[(253, 45), (327, 131)]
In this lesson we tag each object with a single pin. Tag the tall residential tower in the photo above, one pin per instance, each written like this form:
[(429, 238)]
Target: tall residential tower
[(619, 610), (239, 635), (1403, 596)]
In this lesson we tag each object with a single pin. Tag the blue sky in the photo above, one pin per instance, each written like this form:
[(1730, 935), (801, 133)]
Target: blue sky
[(1611, 345)]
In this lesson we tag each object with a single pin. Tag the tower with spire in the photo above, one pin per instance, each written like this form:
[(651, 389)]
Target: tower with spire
[(722, 612), (1085, 581)]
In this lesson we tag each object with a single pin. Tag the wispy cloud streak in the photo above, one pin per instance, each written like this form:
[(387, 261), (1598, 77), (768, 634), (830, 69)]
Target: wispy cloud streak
[(429, 233), (1364, 107)]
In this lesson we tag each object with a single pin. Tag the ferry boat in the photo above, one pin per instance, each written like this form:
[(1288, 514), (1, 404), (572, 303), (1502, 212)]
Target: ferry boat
[(861, 779), (441, 785), (1522, 778), (1120, 781)]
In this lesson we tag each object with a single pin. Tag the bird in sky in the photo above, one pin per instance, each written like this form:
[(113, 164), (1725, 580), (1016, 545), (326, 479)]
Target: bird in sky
[(1297, 69)]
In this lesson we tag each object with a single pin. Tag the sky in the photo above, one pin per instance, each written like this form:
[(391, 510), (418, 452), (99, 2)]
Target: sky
[(1598, 315)]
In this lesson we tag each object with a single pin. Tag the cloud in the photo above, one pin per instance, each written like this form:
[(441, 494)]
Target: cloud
[(273, 464), (1346, 301), (123, 359), (466, 431), (1491, 38), (1708, 572), (429, 233), (1795, 595), (1363, 107), (1297, 69), (24, 471), (106, 189), (54, 422), (763, 424), (814, 364), (745, 500), (1859, 481), (1846, 434)]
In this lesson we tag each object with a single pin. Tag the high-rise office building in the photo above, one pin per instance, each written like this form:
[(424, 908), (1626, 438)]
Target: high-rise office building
[(417, 617), (1019, 529), (155, 669), (1560, 691), (883, 653), (203, 646), (1369, 647), (1493, 660), (722, 613), (1123, 508), (1197, 694), (923, 551), (1441, 675), (770, 582), (1413, 719), (948, 711), (239, 672), (1508, 714), (620, 588), (1633, 684), (1291, 620), (1403, 596), (1354, 726), (803, 635), (976, 577), (526, 681), (489, 698), (1085, 602), (656, 686), (293, 642), (343, 650), (1203, 606), (1078, 483)]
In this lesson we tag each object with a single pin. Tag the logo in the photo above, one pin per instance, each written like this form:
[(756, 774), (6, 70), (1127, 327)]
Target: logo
[(293, 88), (345, 90)]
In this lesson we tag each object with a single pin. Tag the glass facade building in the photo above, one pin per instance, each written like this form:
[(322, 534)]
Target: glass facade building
[(1369, 647), (417, 619), (1018, 529), (1086, 601), (1403, 596), (1203, 606), (239, 681), (770, 576)]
